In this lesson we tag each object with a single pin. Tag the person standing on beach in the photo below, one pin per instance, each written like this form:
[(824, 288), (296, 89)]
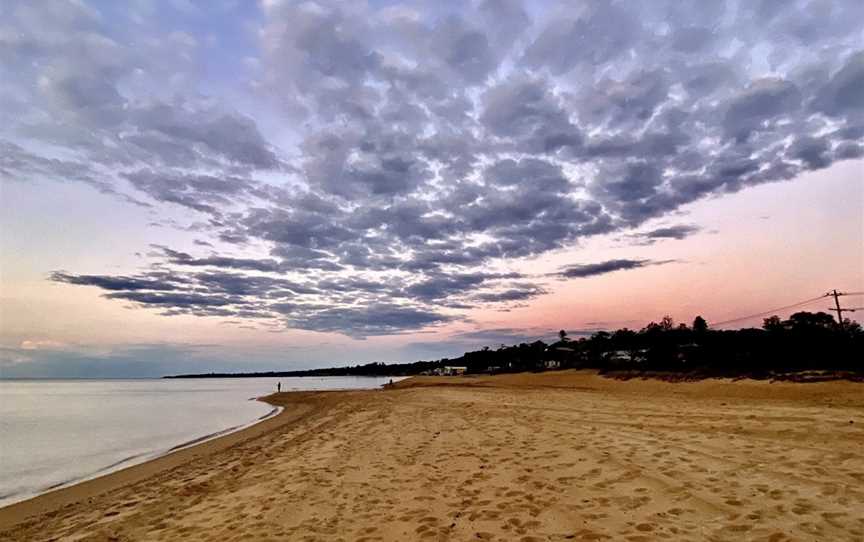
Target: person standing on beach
[(278, 387)]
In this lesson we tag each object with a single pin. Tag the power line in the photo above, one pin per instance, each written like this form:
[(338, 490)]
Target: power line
[(836, 295), (772, 311)]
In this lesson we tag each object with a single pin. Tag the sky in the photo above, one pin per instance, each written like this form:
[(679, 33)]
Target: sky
[(235, 185)]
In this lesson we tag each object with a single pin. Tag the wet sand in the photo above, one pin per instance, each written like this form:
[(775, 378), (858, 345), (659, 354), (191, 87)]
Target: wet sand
[(555, 456)]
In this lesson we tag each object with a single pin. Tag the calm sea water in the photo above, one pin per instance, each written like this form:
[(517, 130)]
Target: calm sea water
[(57, 432)]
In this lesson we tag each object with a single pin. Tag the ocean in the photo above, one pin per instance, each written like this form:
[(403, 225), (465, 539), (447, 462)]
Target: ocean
[(58, 432)]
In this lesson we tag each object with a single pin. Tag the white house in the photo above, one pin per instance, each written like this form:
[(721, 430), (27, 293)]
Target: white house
[(450, 371)]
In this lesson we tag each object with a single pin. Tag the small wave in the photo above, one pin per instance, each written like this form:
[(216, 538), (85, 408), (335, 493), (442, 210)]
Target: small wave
[(104, 470), (270, 414), (120, 462), (203, 438), (211, 436)]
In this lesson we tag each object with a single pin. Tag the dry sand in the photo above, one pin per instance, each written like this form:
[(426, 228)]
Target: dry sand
[(556, 456)]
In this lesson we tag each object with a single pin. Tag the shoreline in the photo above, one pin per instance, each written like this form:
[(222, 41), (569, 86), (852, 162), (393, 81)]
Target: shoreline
[(144, 458), (103, 481), (127, 462)]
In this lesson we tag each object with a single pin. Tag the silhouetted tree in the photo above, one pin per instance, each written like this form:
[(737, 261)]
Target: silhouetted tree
[(772, 323), (811, 320), (804, 341), (667, 323), (852, 327)]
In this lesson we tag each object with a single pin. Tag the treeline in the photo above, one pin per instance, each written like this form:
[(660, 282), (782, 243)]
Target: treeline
[(369, 369), (806, 341)]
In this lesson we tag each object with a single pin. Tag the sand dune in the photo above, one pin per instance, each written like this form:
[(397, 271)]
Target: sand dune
[(558, 456)]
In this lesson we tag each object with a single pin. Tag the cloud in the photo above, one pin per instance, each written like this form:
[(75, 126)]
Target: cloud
[(171, 299), (842, 93), (442, 286), (602, 268), (379, 157), (41, 344), (130, 361), (226, 262), (677, 231), (118, 282), (499, 335), (530, 115), (601, 33), (763, 102), (516, 292), (371, 319), (458, 343)]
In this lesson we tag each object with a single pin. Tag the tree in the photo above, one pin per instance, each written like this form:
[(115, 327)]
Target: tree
[(667, 323), (772, 323), (562, 335), (851, 327), (811, 320), (700, 325)]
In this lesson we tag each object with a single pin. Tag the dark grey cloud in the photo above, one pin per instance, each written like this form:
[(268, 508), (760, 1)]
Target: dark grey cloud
[(842, 93), (370, 319), (601, 33), (442, 286), (204, 193), (812, 151), (260, 287), (176, 300), (602, 268), (382, 155), (463, 49), (637, 181), (228, 135), (765, 101), (225, 262), (118, 282), (848, 151), (677, 231), (526, 112), (515, 292)]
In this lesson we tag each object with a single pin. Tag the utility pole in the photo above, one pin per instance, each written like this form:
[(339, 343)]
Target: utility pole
[(836, 295)]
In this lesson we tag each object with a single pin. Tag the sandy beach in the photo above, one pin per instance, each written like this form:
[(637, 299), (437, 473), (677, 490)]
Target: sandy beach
[(554, 456)]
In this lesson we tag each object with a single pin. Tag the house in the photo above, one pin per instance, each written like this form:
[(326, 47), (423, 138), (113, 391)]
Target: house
[(450, 371), (552, 364), (619, 356), (626, 356)]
